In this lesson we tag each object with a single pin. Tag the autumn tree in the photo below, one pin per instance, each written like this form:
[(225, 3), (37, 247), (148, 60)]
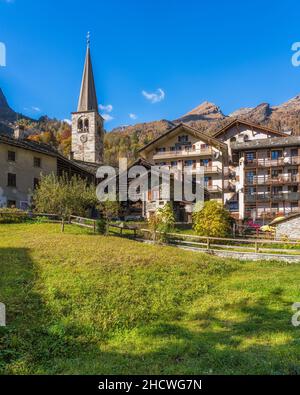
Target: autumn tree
[(212, 221)]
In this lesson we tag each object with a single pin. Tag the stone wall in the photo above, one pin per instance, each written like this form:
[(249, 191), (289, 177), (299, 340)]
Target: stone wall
[(87, 143), (290, 228)]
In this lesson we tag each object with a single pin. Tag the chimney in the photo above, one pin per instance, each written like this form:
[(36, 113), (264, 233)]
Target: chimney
[(19, 132)]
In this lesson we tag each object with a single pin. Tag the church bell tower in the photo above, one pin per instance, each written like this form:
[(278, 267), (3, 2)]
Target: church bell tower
[(87, 123)]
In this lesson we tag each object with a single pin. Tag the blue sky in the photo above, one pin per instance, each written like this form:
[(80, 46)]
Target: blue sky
[(233, 53)]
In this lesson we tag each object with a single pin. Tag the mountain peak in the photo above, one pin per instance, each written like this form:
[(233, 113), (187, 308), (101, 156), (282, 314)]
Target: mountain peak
[(206, 108), (3, 101), (206, 111)]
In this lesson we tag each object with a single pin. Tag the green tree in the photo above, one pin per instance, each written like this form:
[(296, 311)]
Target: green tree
[(109, 209), (213, 220), (63, 196), (162, 222)]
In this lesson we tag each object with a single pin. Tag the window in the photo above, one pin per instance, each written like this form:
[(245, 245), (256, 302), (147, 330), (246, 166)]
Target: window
[(189, 163), (294, 152), (24, 206), (80, 126), (183, 139), (205, 162), (11, 180), (277, 190), (233, 206), (233, 140), (207, 181), (11, 156), (160, 150), (250, 156), (86, 125), (36, 183), (246, 138), (174, 163), (276, 173), (276, 155), (250, 177), (11, 204), (293, 189), (37, 162)]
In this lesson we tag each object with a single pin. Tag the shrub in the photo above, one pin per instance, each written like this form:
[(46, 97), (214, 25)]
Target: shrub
[(101, 226), (12, 216), (109, 209), (163, 222), (212, 221)]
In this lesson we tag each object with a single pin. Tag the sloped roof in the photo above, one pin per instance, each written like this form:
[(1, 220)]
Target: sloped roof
[(46, 149), (211, 140), (285, 219), (287, 141), (237, 122)]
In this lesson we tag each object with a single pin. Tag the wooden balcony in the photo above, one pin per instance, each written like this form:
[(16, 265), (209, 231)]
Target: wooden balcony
[(268, 180), (212, 170), (213, 189), (268, 197), (270, 214), (268, 162), (192, 153)]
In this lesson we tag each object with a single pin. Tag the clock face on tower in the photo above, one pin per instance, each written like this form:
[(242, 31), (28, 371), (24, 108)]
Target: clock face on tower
[(83, 138)]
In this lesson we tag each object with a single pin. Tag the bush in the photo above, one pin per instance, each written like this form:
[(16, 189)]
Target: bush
[(12, 216), (101, 226), (163, 221), (212, 221)]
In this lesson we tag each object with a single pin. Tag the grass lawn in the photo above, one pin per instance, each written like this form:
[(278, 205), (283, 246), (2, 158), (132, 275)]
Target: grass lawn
[(84, 304)]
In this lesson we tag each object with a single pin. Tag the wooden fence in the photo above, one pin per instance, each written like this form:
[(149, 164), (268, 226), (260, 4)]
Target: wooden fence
[(201, 243), (237, 245)]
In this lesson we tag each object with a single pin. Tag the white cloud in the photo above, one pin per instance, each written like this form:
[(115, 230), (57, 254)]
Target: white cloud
[(133, 116), (37, 109), (155, 97), (107, 117), (68, 121), (107, 108)]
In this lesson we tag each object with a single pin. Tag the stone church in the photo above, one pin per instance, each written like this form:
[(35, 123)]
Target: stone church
[(87, 123), (23, 162)]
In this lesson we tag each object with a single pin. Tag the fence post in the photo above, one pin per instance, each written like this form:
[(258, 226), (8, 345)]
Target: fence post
[(208, 244), (63, 225), (94, 226), (256, 248)]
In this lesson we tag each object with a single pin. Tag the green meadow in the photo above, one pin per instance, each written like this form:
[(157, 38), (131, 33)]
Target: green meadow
[(78, 303)]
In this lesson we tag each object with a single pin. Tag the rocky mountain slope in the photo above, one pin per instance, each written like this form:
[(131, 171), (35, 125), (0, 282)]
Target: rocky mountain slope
[(8, 116), (125, 141)]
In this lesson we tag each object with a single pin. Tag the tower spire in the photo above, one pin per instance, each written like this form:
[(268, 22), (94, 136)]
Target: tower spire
[(88, 97)]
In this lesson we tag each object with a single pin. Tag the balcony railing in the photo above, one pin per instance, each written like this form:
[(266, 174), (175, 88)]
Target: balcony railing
[(213, 189), (272, 213), (262, 197), (183, 153), (194, 168), (268, 180), (268, 162), (212, 170)]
